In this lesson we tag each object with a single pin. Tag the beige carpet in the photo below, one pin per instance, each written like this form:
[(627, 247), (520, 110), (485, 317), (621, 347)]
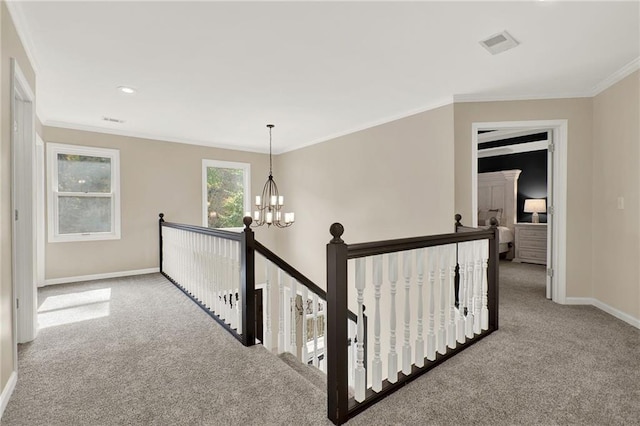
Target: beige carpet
[(139, 352)]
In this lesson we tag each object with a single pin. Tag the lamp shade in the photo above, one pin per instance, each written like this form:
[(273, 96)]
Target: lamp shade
[(535, 205)]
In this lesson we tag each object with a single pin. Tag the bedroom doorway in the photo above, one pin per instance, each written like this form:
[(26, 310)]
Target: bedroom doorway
[(545, 140)]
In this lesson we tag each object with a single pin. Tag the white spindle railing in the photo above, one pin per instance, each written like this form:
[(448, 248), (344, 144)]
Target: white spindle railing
[(300, 318), (207, 267), (446, 324)]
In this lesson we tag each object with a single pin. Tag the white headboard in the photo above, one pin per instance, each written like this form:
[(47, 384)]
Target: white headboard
[(499, 190)]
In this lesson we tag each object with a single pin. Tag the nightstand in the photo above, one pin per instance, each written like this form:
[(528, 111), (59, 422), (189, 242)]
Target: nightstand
[(531, 243)]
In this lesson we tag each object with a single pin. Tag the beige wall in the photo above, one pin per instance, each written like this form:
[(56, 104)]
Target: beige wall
[(616, 173), (11, 48), (155, 177), (579, 113), (390, 181)]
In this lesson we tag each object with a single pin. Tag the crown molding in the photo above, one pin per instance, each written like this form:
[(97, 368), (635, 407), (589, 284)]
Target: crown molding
[(443, 102), (140, 135), (531, 97), (623, 72), (20, 22), (598, 88)]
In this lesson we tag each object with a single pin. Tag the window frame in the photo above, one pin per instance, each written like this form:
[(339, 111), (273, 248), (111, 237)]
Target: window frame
[(246, 168), (53, 195)]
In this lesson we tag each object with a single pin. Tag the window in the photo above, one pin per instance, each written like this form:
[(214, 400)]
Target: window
[(84, 193), (225, 193)]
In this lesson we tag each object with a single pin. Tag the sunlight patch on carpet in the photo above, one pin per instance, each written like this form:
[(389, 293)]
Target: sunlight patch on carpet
[(74, 307)]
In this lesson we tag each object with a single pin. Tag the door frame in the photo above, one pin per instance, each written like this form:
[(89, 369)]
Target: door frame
[(23, 203), (557, 217)]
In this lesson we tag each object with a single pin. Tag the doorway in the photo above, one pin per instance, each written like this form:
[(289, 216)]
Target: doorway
[(556, 192), (23, 201)]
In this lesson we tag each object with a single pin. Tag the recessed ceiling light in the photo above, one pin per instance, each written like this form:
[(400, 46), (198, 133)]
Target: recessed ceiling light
[(127, 90)]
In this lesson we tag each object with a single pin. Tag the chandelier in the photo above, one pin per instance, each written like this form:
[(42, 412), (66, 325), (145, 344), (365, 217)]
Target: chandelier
[(269, 205)]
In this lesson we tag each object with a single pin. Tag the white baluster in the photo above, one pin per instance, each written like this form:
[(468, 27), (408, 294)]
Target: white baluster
[(406, 347), (324, 336), (484, 314), (460, 327), (419, 361), (451, 325), (215, 246), (281, 306), (392, 363), (239, 299), (225, 279), (292, 327), (470, 287), (351, 353), (305, 332), (361, 266), (219, 268), (431, 337), (377, 362), (442, 342), (267, 307), (315, 330), (477, 287)]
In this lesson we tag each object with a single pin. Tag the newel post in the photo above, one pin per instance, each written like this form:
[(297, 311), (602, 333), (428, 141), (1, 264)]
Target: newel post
[(160, 220), (458, 218), (492, 288), (248, 280), (337, 334)]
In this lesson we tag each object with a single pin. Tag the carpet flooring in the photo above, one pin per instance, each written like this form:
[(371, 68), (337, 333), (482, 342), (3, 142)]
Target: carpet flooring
[(136, 351)]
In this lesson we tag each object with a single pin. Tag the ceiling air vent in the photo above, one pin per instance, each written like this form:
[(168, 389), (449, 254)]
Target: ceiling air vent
[(498, 43), (113, 120)]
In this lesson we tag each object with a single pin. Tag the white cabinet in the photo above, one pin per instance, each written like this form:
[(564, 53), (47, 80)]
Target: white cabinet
[(531, 243)]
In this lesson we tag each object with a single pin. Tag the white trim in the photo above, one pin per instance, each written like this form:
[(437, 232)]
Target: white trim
[(623, 72), (78, 278), (246, 167), (513, 149), (463, 98), (434, 105), (607, 82), (578, 301), (8, 391), (53, 196), (559, 129), (41, 210), (635, 322), (22, 28), (617, 313), (498, 135), (23, 202), (142, 135)]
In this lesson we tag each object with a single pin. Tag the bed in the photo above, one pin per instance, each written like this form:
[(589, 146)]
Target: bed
[(497, 195)]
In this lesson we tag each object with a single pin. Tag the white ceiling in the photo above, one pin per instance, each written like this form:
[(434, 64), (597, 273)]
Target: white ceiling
[(216, 73)]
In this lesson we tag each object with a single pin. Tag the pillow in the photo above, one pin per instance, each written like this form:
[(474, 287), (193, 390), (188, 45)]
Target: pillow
[(484, 216)]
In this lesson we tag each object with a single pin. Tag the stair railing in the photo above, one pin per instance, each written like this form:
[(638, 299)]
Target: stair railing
[(446, 284), (217, 270)]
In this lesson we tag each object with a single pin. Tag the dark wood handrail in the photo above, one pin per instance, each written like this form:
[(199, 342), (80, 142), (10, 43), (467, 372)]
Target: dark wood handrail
[(295, 274), (389, 246), (229, 235)]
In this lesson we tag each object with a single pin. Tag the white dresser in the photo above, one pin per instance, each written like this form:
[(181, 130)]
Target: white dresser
[(531, 243)]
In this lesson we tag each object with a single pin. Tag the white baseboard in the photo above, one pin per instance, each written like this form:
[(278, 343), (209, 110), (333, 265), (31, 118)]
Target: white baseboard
[(578, 301), (7, 392), (100, 276), (604, 307)]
